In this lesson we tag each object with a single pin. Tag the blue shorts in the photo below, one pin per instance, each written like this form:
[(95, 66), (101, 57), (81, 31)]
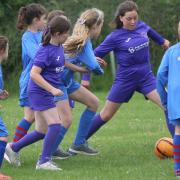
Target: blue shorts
[(123, 88), (3, 129), (70, 88), (24, 102), (41, 101)]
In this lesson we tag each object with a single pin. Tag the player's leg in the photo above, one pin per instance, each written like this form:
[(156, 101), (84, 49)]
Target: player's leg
[(65, 114), (87, 98), (120, 92), (148, 87), (51, 118), (176, 145), (24, 125), (3, 142)]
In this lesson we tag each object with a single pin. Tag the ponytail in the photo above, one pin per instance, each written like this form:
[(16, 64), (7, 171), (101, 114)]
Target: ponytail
[(28, 13), (21, 18), (46, 36)]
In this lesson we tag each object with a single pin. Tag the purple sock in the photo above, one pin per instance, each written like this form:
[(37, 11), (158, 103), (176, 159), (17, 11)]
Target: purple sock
[(28, 139), (49, 141), (97, 122), (171, 128)]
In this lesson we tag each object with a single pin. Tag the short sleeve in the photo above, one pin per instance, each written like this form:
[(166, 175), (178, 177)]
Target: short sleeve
[(41, 58)]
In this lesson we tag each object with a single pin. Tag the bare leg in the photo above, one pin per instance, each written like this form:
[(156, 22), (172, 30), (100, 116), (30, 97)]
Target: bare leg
[(155, 98)]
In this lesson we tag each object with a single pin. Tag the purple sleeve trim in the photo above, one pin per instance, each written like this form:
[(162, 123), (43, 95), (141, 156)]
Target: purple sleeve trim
[(86, 76)]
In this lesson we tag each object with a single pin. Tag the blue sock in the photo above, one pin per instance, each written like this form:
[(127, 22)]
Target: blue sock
[(21, 129), (60, 138), (176, 142), (2, 150), (49, 141), (95, 125), (170, 126), (84, 124)]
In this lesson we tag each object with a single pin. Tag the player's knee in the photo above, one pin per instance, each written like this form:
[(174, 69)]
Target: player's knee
[(30, 118), (94, 104), (106, 115), (67, 121)]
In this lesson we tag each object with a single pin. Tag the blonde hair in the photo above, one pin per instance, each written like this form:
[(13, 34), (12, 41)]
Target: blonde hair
[(82, 28), (179, 30)]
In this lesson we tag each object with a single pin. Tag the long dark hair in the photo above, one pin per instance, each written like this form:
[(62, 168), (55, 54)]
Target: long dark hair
[(57, 24), (28, 13), (124, 7)]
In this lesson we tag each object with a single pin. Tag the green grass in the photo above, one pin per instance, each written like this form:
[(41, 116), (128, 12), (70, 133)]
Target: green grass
[(126, 146)]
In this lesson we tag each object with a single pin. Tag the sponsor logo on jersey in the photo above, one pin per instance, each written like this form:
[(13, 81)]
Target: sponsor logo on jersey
[(139, 47), (59, 69)]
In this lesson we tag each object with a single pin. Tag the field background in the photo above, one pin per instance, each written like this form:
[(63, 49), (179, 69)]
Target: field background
[(126, 146)]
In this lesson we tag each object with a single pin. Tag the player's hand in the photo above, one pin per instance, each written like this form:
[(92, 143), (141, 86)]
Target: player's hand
[(56, 92), (85, 84), (4, 95), (166, 44), (101, 61)]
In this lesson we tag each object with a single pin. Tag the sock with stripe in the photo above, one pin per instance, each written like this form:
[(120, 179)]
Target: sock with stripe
[(21, 130), (176, 143), (97, 122)]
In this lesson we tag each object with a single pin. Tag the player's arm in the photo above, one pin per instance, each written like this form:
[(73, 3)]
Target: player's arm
[(74, 67), (162, 79), (85, 80), (158, 38), (39, 80), (88, 58)]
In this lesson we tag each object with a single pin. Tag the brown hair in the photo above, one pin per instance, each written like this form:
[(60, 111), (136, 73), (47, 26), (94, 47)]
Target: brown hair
[(3, 43), (28, 13), (123, 7), (57, 24), (54, 13), (81, 29)]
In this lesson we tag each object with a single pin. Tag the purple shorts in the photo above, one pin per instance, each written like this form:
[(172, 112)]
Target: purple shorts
[(41, 101), (125, 85)]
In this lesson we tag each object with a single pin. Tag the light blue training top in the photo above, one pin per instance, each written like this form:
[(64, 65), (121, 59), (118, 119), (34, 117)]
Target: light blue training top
[(168, 76), (30, 44), (86, 57)]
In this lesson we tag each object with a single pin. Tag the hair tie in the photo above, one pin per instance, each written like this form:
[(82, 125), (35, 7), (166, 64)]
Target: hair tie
[(81, 21), (46, 30)]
